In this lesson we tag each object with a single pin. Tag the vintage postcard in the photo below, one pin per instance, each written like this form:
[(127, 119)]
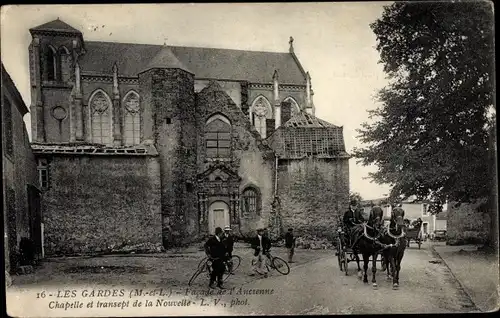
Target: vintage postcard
[(249, 159)]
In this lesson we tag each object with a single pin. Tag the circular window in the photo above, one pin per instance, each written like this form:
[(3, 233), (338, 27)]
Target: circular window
[(58, 113)]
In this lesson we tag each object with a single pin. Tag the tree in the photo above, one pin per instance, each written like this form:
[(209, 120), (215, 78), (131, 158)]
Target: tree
[(430, 137), (355, 196)]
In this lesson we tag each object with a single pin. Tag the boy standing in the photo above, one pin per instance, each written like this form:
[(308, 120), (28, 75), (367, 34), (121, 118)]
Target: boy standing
[(290, 244)]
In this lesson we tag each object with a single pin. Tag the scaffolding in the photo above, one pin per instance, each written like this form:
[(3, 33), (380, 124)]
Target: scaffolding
[(307, 136), (93, 150)]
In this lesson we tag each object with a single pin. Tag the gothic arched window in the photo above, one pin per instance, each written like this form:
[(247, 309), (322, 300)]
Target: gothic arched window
[(218, 137), (295, 106), (63, 66), (132, 122), (259, 112), (100, 117), (250, 202), (51, 63)]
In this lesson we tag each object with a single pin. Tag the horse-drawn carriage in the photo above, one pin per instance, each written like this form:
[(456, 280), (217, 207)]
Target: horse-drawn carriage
[(414, 233), (371, 238), (346, 254)]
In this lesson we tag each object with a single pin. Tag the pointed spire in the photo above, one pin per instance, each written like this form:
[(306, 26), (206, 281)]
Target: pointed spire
[(308, 90), (116, 92), (276, 87), (312, 103), (78, 86), (291, 44), (277, 104), (275, 75)]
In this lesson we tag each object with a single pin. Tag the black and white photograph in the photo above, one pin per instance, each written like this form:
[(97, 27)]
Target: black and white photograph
[(227, 159)]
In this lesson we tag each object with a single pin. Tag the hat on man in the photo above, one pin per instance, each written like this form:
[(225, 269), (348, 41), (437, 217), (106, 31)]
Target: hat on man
[(227, 228), (218, 230), (354, 202)]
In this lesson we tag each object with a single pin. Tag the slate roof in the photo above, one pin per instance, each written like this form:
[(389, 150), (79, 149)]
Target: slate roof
[(165, 58), (209, 63), (56, 25)]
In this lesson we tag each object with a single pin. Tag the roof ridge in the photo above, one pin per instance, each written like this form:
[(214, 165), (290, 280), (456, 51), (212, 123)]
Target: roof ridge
[(56, 25), (304, 119), (189, 47)]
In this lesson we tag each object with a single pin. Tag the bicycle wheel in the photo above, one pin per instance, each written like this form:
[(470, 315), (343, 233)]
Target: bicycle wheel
[(236, 260), (199, 270), (202, 262), (281, 266), (195, 275)]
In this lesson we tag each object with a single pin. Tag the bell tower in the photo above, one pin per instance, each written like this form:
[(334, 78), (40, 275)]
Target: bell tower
[(53, 54)]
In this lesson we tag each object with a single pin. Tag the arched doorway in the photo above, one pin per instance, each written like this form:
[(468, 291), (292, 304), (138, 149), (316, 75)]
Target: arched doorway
[(218, 216)]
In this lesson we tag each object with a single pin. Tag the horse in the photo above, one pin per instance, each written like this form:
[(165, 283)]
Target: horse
[(358, 219), (394, 242), (366, 235)]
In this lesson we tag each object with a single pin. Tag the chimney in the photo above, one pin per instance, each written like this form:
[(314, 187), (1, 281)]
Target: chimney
[(291, 45)]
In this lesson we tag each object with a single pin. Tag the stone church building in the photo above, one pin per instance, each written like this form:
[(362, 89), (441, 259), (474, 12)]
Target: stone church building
[(161, 144)]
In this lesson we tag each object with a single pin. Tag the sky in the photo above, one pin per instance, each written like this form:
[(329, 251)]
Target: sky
[(333, 41)]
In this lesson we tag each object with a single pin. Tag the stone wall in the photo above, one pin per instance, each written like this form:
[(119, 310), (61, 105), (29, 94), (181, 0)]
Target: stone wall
[(232, 88), (467, 224), (56, 130), (170, 94), (313, 193), (101, 203)]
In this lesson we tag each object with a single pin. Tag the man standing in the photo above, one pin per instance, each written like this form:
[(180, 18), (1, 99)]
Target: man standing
[(229, 243), (290, 244), (216, 251), (261, 245)]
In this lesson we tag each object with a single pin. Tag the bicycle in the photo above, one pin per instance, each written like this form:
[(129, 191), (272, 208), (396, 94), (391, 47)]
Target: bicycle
[(205, 265), (276, 263)]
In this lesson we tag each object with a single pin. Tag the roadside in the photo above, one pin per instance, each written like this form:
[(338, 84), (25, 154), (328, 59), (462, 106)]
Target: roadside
[(171, 268), (477, 272)]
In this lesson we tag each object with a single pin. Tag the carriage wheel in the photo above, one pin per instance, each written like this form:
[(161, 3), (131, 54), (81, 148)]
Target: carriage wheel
[(345, 261), (339, 253)]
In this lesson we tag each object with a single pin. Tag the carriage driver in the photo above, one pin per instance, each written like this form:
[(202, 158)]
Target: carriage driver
[(351, 217)]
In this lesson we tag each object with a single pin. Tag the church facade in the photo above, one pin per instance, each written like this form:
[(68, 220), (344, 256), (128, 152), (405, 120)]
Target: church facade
[(161, 144)]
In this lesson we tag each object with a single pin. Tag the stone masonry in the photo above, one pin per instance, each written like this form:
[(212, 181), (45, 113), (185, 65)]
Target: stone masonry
[(100, 203)]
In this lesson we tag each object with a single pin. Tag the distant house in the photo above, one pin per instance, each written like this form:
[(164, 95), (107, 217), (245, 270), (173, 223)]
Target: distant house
[(413, 210), (382, 202), (440, 221)]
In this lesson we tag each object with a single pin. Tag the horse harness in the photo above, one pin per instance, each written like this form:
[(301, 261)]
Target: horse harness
[(385, 230)]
